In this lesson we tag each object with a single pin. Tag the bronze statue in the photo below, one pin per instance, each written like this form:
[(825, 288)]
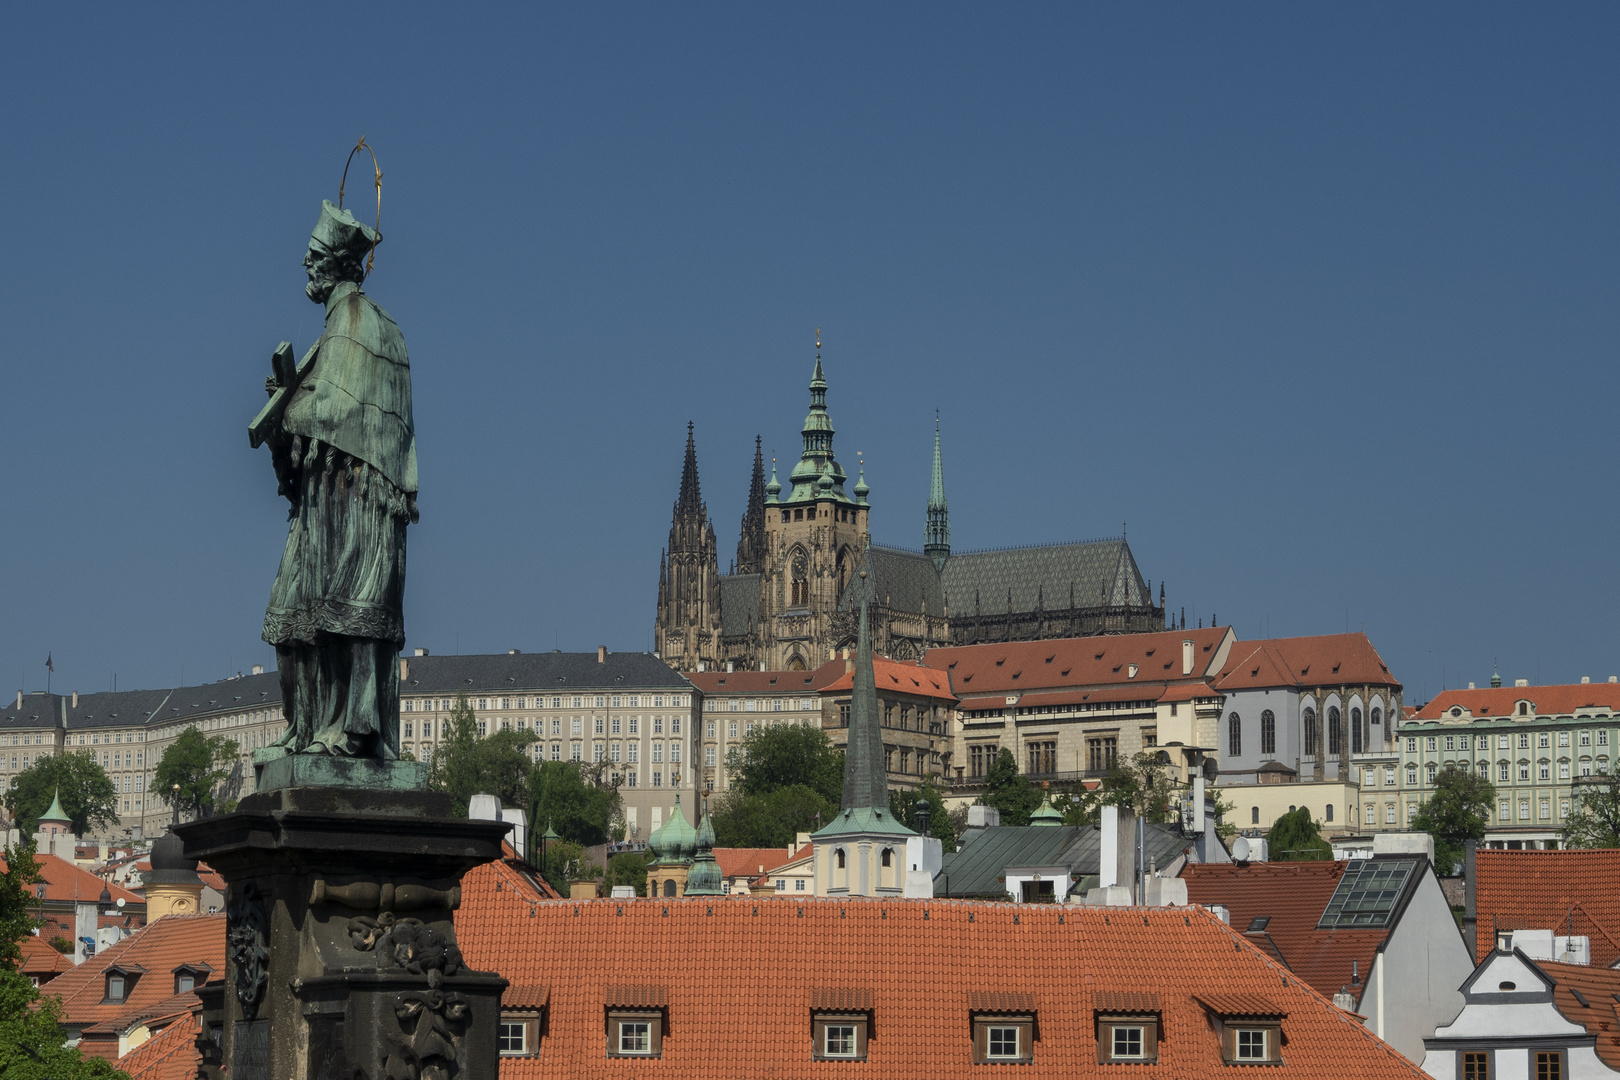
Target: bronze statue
[(343, 445)]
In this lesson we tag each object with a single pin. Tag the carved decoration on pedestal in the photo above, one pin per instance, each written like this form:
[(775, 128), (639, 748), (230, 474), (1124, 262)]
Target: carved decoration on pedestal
[(248, 939), (432, 1022)]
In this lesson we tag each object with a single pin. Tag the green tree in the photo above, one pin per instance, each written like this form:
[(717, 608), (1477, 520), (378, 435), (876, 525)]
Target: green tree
[(628, 868), (903, 805), (1143, 785), (1295, 837), (191, 769), (1458, 811), (31, 1035), (773, 819), (1594, 816), (789, 755), (87, 793), (466, 764), (1009, 790), (574, 799), (559, 862)]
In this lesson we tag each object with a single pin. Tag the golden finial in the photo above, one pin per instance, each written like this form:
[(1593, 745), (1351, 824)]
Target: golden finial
[(818, 339)]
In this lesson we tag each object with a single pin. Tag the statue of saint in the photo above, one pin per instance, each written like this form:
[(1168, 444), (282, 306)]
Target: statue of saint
[(344, 450)]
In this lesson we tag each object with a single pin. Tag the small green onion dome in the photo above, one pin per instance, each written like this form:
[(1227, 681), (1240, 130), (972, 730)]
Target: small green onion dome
[(1046, 813), (674, 840), (861, 490)]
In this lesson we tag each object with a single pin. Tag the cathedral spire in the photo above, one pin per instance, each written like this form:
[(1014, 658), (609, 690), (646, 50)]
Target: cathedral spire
[(691, 497), (818, 475), (751, 540), (937, 538), (866, 783)]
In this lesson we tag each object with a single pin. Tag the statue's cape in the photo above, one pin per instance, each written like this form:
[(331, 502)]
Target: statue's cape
[(357, 396)]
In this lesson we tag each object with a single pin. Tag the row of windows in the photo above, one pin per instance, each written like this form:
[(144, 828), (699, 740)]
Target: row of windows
[(575, 701), (714, 704), (997, 1038), (1360, 732), (1506, 772), (1508, 740)]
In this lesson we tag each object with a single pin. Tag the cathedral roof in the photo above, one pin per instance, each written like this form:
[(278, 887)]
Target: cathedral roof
[(739, 604)]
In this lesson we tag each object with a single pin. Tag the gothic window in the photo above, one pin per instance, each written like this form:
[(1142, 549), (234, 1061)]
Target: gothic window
[(1234, 736), (1376, 717), (1268, 733), (1334, 734), (843, 569), (799, 566), (1356, 734), (1310, 732)]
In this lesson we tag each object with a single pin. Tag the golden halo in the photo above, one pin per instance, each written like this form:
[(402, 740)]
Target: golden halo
[(371, 256)]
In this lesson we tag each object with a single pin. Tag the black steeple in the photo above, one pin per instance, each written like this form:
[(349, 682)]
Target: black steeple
[(751, 541), (691, 498)]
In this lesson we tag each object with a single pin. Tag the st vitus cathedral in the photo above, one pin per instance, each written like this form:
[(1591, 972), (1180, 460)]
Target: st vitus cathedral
[(794, 594)]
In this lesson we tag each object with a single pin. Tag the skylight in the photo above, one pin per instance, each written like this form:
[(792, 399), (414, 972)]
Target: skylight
[(1367, 893)]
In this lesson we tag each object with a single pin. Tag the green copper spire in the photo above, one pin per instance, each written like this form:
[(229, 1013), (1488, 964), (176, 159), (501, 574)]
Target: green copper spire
[(774, 488), (1496, 676), (704, 878), (866, 784), (56, 813), (818, 475), (937, 538), (1046, 813)]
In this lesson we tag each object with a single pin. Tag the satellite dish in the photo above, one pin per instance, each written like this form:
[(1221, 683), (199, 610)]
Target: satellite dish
[(1240, 849), (120, 901)]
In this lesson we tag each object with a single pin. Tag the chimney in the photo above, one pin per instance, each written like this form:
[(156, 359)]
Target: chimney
[(1470, 686), (404, 669), (1186, 657), (258, 669), (1584, 680), (76, 697), (421, 652), (1612, 678), (849, 665), (731, 666), (514, 652), (19, 697), (601, 654), (1521, 682)]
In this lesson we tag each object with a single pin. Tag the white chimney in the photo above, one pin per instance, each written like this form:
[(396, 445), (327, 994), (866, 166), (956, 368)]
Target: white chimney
[(1221, 912), (421, 652), (19, 697), (731, 666), (601, 654), (1521, 682), (1585, 679), (76, 697), (1614, 678), (1470, 686), (404, 669), (1186, 657), (258, 669)]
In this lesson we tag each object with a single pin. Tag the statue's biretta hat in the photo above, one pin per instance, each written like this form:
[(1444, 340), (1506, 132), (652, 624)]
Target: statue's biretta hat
[(339, 232)]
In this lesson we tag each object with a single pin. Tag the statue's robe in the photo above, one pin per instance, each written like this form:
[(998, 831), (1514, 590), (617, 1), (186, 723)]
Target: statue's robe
[(336, 613)]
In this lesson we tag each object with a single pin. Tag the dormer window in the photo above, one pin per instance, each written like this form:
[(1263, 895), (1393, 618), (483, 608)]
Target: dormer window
[(518, 1034), (1128, 1028), (635, 1021), (840, 1023), (1250, 1029), (1003, 1027), (121, 981), (187, 977)]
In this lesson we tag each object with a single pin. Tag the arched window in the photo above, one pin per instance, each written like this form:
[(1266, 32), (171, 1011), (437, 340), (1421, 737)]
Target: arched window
[(1327, 812), (799, 573), (1376, 717), (1335, 733), (839, 855), (1356, 734), (1254, 815), (1268, 733), (843, 569), (1234, 736), (1310, 732), (669, 887), (888, 856)]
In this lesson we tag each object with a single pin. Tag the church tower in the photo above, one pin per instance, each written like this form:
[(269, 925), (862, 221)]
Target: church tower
[(815, 535), (687, 632), (937, 537), (751, 541)]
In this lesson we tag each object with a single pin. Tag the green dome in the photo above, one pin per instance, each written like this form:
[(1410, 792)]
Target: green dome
[(56, 814), (861, 490), (1046, 814), (774, 488), (674, 840), (704, 877)]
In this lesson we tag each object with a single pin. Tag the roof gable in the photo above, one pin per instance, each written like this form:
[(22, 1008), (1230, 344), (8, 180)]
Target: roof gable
[(1570, 891), (1030, 666), (1323, 660)]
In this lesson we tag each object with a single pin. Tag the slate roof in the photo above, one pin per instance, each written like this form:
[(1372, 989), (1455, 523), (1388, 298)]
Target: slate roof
[(743, 1009), (973, 869), (1545, 700), (739, 604), (159, 947), (1571, 891), (125, 708), (900, 579), (1322, 660), (498, 672), (1061, 663), (1292, 897), (171, 1054)]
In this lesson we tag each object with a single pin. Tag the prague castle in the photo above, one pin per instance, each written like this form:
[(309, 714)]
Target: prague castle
[(795, 590)]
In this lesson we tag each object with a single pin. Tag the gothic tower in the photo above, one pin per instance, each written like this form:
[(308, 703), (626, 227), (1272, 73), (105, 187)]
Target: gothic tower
[(687, 632), (815, 534), (937, 537), (751, 541)]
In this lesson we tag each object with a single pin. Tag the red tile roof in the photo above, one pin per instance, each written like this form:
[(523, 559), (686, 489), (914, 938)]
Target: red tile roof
[(1294, 895), (171, 1054), (1028, 666), (746, 861), (510, 879), (1600, 986), (1239, 1005), (1569, 891), (898, 678), (738, 979), (1324, 660), (66, 883), (1545, 700), (159, 949), (765, 682), (42, 961)]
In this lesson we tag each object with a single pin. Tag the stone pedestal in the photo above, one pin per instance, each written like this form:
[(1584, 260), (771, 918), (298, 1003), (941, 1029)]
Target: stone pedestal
[(341, 960)]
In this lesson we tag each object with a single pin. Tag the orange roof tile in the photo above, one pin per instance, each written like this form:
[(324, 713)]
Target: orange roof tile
[(65, 882), (765, 682), (742, 1008), (511, 877), (1323, 660), (746, 861), (171, 1054), (898, 678), (158, 948), (1600, 986), (1293, 895), (1028, 666), (1571, 891), (1240, 1005), (1545, 700), (40, 960)]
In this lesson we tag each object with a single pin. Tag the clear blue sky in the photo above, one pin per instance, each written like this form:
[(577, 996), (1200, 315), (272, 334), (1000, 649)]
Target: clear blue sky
[(1321, 300)]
